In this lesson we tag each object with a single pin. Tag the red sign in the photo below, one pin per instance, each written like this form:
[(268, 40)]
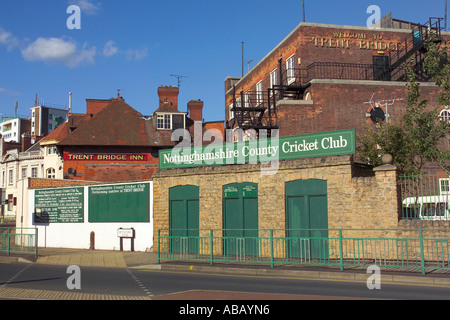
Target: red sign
[(105, 157)]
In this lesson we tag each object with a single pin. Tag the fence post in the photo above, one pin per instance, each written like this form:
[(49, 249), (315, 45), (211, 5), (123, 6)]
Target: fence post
[(422, 260), (37, 243), (211, 249), (9, 242), (159, 246), (341, 260), (271, 248)]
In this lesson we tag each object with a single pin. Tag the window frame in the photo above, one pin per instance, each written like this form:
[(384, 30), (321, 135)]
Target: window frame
[(290, 69)]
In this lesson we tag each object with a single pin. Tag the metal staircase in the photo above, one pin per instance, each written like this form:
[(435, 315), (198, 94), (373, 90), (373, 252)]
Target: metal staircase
[(413, 47)]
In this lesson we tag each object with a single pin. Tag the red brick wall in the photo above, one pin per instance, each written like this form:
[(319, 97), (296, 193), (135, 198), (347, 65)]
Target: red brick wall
[(36, 183), (334, 105), (337, 106), (119, 173), (86, 169)]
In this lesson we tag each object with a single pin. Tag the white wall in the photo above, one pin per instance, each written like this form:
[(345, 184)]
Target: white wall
[(77, 235)]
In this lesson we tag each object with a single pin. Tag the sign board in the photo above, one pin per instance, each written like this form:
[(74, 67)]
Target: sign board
[(259, 151), (125, 233), (116, 157), (119, 203), (60, 205)]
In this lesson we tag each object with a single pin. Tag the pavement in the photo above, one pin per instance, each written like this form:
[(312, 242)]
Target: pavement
[(149, 261)]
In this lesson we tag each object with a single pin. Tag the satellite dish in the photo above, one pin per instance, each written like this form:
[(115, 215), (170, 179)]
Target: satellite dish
[(72, 171)]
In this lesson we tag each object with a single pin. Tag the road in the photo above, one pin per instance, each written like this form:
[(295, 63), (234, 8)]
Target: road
[(51, 282)]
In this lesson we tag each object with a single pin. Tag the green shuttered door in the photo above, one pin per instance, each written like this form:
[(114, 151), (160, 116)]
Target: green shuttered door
[(307, 219), (184, 218), (240, 219)]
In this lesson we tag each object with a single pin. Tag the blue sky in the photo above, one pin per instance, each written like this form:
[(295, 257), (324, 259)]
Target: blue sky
[(136, 46)]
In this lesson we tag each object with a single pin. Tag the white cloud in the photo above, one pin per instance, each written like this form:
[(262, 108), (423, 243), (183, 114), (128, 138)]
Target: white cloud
[(8, 39), (9, 92), (58, 50), (87, 6), (110, 49), (136, 54)]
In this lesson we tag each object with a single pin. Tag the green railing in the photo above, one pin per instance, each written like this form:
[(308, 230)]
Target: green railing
[(425, 196), (19, 241), (419, 249)]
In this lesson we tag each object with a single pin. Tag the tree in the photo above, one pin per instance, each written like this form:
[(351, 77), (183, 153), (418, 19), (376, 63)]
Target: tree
[(416, 139)]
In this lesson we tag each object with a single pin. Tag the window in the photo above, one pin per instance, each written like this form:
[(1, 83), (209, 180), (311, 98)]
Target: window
[(51, 174), (11, 177), (34, 172), (24, 173), (273, 78), (51, 150), (259, 93), (164, 122), (50, 126), (445, 115), (247, 99), (230, 112), (444, 186), (290, 69)]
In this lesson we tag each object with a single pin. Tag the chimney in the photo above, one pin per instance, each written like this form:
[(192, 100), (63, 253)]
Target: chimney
[(70, 102), (168, 94), (195, 109), (94, 106), (26, 142), (16, 105)]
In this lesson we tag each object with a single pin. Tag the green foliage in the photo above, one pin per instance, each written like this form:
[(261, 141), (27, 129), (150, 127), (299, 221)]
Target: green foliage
[(416, 139)]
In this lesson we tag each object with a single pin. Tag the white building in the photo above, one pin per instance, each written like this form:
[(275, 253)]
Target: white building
[(44, 120), (13, 128)]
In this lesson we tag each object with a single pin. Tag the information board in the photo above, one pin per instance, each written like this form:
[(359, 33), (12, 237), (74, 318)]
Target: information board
[(119, 203), (60, 205)]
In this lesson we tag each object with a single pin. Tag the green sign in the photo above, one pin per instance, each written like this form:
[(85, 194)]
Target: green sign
[(119, 203), (259, 151), (59, 205)]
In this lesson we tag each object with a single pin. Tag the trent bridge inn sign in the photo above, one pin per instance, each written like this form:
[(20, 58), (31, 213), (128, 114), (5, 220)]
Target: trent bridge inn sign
[(261, 151)]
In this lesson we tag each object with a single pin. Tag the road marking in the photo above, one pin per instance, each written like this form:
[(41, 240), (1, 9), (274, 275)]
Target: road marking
[(139, 283), (15, 276)]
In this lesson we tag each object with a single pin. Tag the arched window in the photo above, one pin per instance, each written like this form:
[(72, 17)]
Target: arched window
[(445, 115), (51, 173)]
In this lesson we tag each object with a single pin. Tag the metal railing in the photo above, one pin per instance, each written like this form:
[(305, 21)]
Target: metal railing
[(19, 241), (421, 250), (425, 196)]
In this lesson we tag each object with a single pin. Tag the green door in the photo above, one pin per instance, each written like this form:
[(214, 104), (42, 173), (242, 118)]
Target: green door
[(184, 219), (307, 219), (240, 219)]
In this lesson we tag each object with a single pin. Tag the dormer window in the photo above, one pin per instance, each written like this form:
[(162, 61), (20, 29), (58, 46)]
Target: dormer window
[(164, 122), (170, 121)]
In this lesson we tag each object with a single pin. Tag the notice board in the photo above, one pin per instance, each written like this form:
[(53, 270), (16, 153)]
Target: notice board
[(120, 203), (65, 205)]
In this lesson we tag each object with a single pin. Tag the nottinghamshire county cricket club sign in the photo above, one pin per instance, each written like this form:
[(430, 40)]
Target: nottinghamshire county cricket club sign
[(321, 144)]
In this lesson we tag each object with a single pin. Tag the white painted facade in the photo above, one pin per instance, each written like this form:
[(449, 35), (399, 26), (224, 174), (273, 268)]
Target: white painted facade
[(78, 235)]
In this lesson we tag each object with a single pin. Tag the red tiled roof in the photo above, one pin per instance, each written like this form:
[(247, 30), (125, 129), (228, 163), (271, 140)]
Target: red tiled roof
[(118, 124)]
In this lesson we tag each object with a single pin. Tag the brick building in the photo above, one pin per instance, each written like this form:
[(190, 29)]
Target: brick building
[(113, 142), (332, 77)]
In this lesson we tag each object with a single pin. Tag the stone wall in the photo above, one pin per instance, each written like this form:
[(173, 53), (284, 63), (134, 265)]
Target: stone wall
[(356, 198)]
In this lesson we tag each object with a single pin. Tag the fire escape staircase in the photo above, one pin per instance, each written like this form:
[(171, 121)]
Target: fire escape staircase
[(258, 110), (413, 46)]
